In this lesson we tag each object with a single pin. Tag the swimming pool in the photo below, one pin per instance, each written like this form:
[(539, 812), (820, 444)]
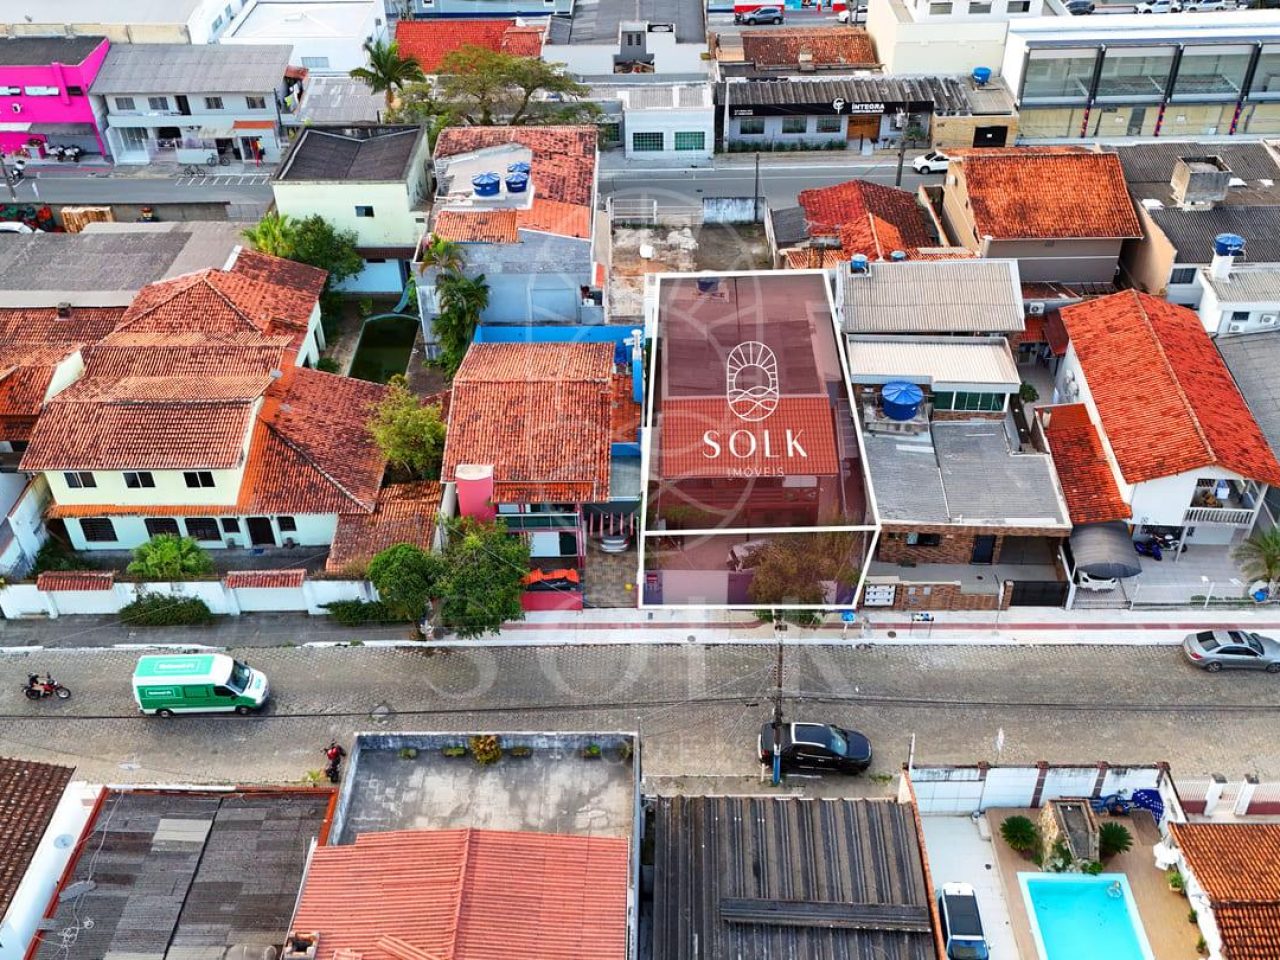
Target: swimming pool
[(1074, 915)]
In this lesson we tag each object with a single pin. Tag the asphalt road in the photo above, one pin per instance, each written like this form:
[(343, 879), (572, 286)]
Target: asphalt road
[(697, 708), (779, 183), (88, 188)]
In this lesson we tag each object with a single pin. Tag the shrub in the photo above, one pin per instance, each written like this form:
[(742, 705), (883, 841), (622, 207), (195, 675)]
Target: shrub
[(353, 613), (167, 556), (1192, 916), (453, 751), (56, 555), (1091, 867), (1020, 834), (1113, 838), (327, 365), (157, 610), (591, 751), (485, 749), (1059, 859), (408, 753), (521, 752), (1202, 948), (1176, 883)]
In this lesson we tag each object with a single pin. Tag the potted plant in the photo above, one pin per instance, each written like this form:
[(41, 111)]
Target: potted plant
[(454, 751), (1020, 834), (1113, 838), (591, 751), (485, 749), (1176, 883)]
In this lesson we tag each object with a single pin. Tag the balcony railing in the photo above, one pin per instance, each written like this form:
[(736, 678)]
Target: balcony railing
[(1222, 516)]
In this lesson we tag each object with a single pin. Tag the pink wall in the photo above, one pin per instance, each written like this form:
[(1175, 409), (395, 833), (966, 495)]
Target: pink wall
[(57, 109)]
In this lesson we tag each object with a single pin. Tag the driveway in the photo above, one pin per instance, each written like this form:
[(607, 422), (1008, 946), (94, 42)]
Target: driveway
[(959, 854)]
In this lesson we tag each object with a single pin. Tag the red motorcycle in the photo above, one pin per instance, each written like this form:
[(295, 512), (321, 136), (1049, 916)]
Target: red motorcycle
[(37, 689), (334, 754)]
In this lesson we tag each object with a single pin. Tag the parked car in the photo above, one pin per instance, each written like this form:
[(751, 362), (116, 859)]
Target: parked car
[(1079, 8), (962, 934), (1097, 584), (1204, 6), (1215, 650), (935, 161), (816, 746), (1158, 6), (759, 16), (168, 684), (614, 543), (843, 15)]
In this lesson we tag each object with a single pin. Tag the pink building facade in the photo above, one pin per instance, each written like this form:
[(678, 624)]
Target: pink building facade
[(44, 93)]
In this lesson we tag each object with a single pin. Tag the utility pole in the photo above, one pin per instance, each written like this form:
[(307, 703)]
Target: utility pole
[(902, 150), (756, 208), (779, 628), (8, 179)]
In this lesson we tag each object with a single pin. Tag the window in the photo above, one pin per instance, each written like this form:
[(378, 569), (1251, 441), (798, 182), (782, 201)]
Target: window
[(98, 529), (139, 480), (1019, 6), (611, 132), (633, 39), (795, 124), (316, 63), (158, 525), (364, 211), (230, 525), (1183, 275), (287, 524), (646, 142), (227, 11), (1216, 71), (79, 479), (1239, 316), (751, 126), (691, 140), (196, 479), (980, 6), (217, 23), (203, 528), (923, 539), (1059, 74), (256, 103), (827, 125), (75, 91), (989, 402), (940, 8), (213, 103), (1135, 73), (158, 103), (41, 91)]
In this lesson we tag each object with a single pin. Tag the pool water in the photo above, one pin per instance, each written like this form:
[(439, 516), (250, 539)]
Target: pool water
[(1074, 916), (384, 349)]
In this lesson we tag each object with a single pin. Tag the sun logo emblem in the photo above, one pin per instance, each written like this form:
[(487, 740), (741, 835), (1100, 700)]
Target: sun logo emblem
[(752, 381)]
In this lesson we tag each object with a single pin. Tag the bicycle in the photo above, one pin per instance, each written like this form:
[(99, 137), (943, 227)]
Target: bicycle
[(191, 170)]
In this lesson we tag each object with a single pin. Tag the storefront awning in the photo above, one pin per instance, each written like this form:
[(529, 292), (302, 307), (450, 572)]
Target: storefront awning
[(1105, 550), (64, 129), (255, 124), (214, 133)]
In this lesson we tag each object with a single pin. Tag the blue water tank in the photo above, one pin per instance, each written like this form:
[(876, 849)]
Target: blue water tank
[(1228, 244), (486, 184), (518, 167), (982, 76), (898, 256), (517, 182), (901, 400), (858, 263)]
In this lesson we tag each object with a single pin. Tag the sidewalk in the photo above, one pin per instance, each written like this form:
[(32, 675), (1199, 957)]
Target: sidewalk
[(615, 160), (1044, 626)]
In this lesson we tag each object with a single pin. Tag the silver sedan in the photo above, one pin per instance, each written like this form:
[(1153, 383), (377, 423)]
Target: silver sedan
[(1215, 650)]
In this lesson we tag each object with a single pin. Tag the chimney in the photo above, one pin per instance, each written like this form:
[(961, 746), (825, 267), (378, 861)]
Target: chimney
[(475, 491), (64, 310), (637, 365), (1199, 183), (1226, 246)]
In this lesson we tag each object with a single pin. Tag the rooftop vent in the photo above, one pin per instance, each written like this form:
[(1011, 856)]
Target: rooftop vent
[(64, 310), (1200, 181)]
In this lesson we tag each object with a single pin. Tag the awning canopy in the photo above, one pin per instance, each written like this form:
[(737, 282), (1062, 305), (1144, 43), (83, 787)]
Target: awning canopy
[(1105, 550), (214, 133), (64, 129), (255, 124)]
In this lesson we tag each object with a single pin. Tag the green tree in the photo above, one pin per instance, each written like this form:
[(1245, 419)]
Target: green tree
[(407, 578), (419, 104), (1113, 838), (409, 433), (387, 71), (483, 581), (1020, 834), (167, 556), (460, 301), (796, 568), (312, 240), (1259, 556), (483, 87), (442, 255), (273, 234)]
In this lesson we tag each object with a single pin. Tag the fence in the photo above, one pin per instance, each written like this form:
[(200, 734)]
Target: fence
[(970, 789), (641, 212), (1218, 796)]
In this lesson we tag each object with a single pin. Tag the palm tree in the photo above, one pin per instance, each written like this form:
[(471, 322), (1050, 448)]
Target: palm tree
[(461, 299), (1259, 556), (273, 234), (441, 255), (387, 71)]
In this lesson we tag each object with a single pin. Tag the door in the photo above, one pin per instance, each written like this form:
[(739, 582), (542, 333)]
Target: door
[(1136, 116), (984, 548), (184, 105), (1238, 658), (1038, 593), (261, 532)]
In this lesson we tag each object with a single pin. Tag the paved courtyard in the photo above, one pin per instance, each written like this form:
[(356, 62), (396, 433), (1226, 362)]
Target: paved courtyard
[(698, 708)]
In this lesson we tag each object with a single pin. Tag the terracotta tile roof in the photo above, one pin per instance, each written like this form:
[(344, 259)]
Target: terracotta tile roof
[(1083, 470), (405, 513), (1033, 329), (1055, 333), (430, 41), (29, 794), (564, 158), (540, 413), (1165, 398), (625, 425), (195, 356), (552, 216), (261, 579), (479, 226), (1249, 931), (868, 218), (61, 580), (826, 45), (450, 893), (1047, 194), (1233, 862), (686, 419), (280, 272)]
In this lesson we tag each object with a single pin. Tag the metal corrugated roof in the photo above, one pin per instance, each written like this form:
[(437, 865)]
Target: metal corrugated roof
[(1253, 359), (948, 94), (178, 68), (940, 362), (1246, 285), (1192, 231), (934, 296)]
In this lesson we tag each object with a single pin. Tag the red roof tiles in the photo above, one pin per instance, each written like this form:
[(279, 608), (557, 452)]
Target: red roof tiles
[(264, 579), (405, 513), (868, 218), (1249, 931), (762, 449), (430, 41), (265, 268), (476, 226), (541, 414), (825, 45), (57, 581), (1163, 394), (1048, 194), (1083, 469), (29, 795), (408, 895)]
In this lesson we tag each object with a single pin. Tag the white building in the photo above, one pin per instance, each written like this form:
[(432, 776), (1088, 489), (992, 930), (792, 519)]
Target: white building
[(1239, 299), (947, 36), (122, 21), (602, 38), (327, 35), (668, 123)]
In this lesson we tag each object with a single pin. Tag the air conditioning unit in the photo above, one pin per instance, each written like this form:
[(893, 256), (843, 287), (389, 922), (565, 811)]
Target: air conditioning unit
[(1269, 319), (1036, 309), (1234, 327)]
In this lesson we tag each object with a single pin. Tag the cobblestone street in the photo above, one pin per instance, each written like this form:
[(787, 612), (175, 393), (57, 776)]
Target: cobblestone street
[(697, 707)]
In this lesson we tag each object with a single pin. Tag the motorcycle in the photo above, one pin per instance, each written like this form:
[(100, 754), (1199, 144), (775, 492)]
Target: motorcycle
[(1149, 548), (37, 689), (334, 754)]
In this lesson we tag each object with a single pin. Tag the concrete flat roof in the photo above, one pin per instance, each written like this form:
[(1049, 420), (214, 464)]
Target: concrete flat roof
[(943, 363)]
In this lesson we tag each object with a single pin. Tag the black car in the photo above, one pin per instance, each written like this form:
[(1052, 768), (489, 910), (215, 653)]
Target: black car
[(759, 15), (816, 746)]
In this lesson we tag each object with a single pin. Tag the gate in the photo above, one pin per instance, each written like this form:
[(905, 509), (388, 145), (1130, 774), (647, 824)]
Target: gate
[(1038, 593)]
